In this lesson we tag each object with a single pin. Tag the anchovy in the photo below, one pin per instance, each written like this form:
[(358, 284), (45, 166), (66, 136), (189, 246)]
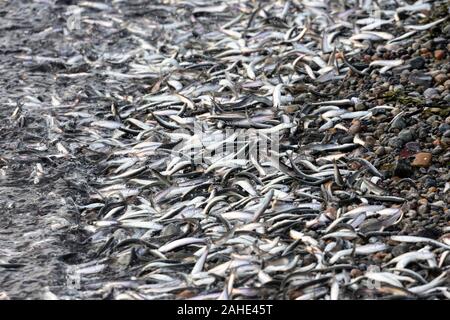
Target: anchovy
[(415, 239), (425, 26), (265, 203), (180, 243)]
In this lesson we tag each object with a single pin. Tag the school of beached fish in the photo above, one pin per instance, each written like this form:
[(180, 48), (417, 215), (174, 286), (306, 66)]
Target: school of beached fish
[(309, 221)]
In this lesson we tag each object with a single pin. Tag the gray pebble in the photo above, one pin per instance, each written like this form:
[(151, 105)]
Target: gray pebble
[(395, 142), (400, 249), (420, 79), (380, 151), (406, 135), (360, 107), (398, 123), (444, 127), (422, 209), (417, 63), (446, 30), (428, 45), (430, 93)]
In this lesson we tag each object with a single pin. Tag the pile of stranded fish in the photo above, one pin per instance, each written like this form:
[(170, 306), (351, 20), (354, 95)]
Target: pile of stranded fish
[(314, 219)]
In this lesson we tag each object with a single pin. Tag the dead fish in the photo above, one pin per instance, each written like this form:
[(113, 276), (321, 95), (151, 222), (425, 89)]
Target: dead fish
[(415, 239), (329, 147), (364, 249), (418, 6), (425, 26), (372, 35), (403, 260), (198, 267), (265, 203), (386, 64), (180, 243)]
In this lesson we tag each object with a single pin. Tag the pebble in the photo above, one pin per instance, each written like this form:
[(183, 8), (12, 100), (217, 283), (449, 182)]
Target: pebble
[(398, 123), (446, 141), (440, 203), (370, 141), (429, 232), (420, 79), (424, 51), (413, 146), (422, 201), (360, 107), (446, 30), (438, 149), (406, 135), (354, 273), (355, 127), (433, 118), (443, 127), (402, 169), (428, 45), (388, 257), (417, 63), (370, 224), (440, 78), (439, 54), (422, 209), (395, 142), (422, 159), (447, 85), (400, 249), (380, 151), (430, 93), (412, 214), (429, 182)]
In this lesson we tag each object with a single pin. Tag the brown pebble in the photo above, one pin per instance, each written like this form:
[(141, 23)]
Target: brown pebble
[(291, 109), (423, 201), (422, 159), (440, 78), (391, 242), (370, 141), (295, 294), (367, 58), (447, 85), (387, 257), (354, 273), (380, 151), (439, 54), (186, 294), (379, 256), (355, 165), (355, 127)]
